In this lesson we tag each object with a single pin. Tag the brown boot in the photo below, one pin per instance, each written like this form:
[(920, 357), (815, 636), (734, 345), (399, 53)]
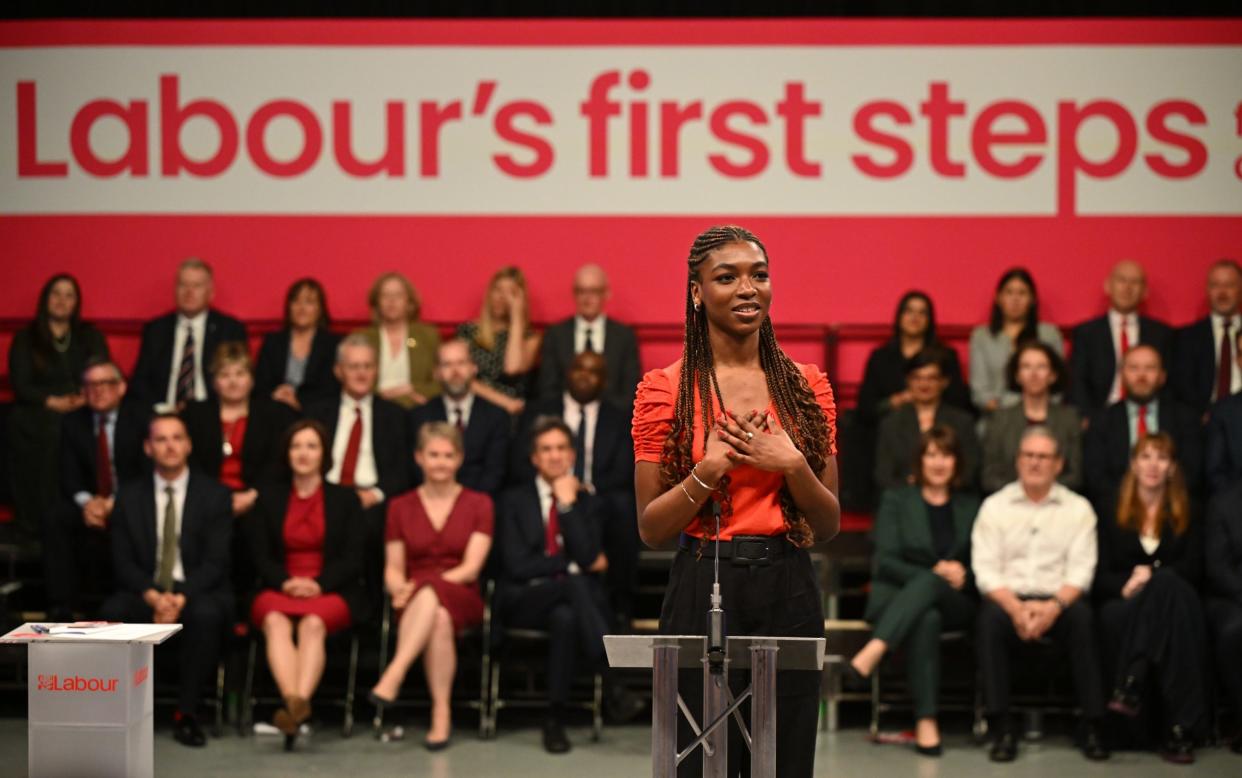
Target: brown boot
[(289, 718)]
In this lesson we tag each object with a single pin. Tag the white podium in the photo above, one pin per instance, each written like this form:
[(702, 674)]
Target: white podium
[(90, 701)]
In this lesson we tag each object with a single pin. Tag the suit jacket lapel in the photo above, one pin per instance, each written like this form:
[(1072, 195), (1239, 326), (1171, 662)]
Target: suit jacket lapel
[(147, 520), (962, 519), (917, 527)]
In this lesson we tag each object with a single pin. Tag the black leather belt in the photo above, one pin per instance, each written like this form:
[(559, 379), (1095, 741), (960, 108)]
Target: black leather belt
[(740, 549)]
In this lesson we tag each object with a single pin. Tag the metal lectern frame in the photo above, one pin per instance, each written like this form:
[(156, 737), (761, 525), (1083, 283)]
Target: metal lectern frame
[(664, 655)]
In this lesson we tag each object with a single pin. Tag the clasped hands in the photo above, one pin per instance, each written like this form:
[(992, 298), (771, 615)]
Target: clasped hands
[(1138, 579), (301, 587), (167, 606), (754, 439), (1033, 618), (953, 573)]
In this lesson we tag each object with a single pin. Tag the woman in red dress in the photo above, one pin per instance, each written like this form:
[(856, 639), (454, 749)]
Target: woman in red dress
[(438, 538), (307, 541)]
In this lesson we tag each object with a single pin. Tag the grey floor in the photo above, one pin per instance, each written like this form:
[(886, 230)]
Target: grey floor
[(623, 751)]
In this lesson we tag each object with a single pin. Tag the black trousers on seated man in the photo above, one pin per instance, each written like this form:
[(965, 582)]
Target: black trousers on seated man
[(1224, 619), (78, 560), (1073, 631)]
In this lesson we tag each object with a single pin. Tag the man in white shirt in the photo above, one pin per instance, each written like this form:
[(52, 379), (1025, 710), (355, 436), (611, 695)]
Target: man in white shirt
[(591, 330), (170, 549), (1033, 553), (1206, 368)]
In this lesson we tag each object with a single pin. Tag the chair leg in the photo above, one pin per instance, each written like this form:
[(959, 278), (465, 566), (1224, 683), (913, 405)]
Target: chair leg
[(495, 703), (875, 702), (377, 721), (218, 726), (247, 700), (597, 708), (485, 671), (351, 682)]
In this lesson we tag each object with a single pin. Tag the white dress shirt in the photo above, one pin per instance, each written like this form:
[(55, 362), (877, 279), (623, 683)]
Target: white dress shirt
[(574, 412), (393, 370), (199, 327), (366, 475), (179, 485), (1132, 334), (464, 405), (545, 507), (1032, 548), (596, 328), (1218, 332)]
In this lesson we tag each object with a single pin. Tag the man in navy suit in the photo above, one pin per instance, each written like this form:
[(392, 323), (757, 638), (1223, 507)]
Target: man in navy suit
[(548, 539), (603, 462), (1206, 368), (1113, 433), (100, 448), (1224, 438), (591, 330), (484, 426), (1100, 344), (177, 347), (170, 554)]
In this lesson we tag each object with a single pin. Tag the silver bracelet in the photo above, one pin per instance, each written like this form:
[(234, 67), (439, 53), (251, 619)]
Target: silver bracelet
[(695, 476), (688, 497)]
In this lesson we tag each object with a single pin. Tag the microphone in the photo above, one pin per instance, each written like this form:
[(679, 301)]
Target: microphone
[(715, 614)]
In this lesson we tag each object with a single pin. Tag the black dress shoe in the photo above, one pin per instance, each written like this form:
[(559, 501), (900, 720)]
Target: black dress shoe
[(1093, 744), (935, 750), (187, 732), (1004, 748), (1178, 747), (554, 739), (854, 677), (1236, 745), (621, 706), (1127, 698), (436, 745)]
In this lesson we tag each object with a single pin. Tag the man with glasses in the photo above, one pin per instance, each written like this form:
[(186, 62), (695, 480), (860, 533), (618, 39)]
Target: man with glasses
[(1033, 553), (590, 330), (101, 446)]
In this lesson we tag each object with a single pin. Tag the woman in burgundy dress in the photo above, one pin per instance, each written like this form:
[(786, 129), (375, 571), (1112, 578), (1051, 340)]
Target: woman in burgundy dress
[(307, 541), (438, 538)]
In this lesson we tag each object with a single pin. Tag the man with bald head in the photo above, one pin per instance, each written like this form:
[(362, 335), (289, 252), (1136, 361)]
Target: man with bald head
[(591, 330), (1207, 368), (1101, 343)]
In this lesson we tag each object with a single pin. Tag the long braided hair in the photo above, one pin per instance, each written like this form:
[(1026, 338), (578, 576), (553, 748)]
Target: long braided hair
[(796, 408)]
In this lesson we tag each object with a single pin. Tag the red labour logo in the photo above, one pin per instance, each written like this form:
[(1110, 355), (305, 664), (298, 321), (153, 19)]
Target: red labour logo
[(75, 683)]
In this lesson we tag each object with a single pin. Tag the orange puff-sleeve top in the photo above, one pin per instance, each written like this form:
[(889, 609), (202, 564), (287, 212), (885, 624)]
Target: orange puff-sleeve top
[(755, 494)]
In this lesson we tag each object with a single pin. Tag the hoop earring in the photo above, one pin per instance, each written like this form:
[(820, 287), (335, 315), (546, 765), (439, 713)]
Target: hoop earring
[(696, 306)]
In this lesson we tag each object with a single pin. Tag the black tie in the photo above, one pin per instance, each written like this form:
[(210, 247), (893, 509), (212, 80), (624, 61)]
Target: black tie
[(588, 345), (580, 444)]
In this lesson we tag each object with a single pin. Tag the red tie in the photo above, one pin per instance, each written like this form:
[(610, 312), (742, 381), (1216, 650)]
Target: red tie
[(103, 461), (350, 463), (1142, 422), (552, 541), (1125, 349), (1224, 365)]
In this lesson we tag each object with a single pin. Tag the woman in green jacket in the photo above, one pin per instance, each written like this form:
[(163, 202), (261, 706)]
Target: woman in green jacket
[(921, 583)]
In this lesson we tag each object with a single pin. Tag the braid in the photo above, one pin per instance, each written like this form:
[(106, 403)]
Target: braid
[(796, 408)]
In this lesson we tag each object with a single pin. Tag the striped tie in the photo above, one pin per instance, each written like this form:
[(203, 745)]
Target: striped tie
[(185, 373)]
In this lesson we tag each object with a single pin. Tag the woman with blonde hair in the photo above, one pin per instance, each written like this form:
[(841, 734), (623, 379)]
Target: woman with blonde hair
[(1150, 564), (406, 346), (502, 343)]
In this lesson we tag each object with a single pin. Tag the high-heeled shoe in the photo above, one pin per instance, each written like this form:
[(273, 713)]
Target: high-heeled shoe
[(853, 676), (377, 700), (437, 745), (935, 750), (289, 718)]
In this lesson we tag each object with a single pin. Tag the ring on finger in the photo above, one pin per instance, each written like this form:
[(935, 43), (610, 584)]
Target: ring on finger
[(749, 436)]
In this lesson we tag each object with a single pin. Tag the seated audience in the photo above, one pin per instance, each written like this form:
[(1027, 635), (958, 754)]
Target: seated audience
[(1206, 365), (306, 538), (900, 431), (484, 427), (46, 359), (1033, 592), (1224, 438), (1037, 373), (921, 583), (1112, 435), (177, 347), (237, 437), (1015, 319), (502, 342), (1101, 343), (548, 535), (603, 462), (884, 386), (1223, 549), (295, 362), (1146, 592), (437, 540), (591, 330), (100, 448), (405, 345), (170, 558)]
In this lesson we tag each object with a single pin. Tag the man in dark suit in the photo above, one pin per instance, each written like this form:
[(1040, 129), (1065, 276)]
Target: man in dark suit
[(591, 330), (177, 347), (484, 426), (170, 555), (1206, 367), (1100, 344), (1223, 460), (101, 448), (548, 538), (371, 449), (1223, 565), (603, 462), (1113, 433)]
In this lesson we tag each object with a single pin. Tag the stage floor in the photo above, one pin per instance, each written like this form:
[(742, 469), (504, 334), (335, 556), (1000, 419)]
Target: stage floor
[(622, 753)]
